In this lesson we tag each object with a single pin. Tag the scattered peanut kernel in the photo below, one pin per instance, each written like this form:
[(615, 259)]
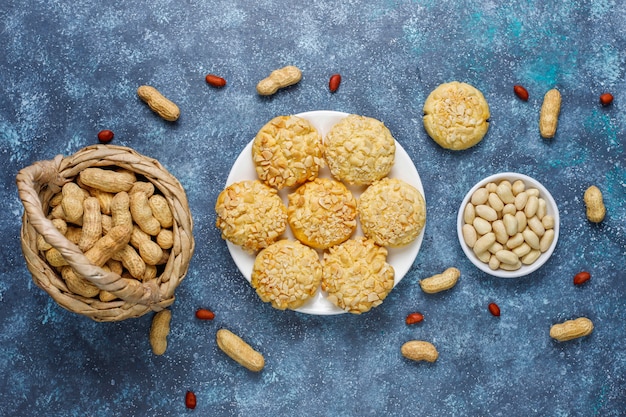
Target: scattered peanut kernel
[(414, 318), (581, 277), (105, 136), (190, 400), (494, 309), (205, 314), (606, 99)]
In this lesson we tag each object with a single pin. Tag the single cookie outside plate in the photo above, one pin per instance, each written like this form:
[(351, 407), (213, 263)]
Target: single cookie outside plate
[(456, 115)]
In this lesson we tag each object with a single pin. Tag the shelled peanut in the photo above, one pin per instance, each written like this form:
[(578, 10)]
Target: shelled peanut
[(119, 221), (507, 225)]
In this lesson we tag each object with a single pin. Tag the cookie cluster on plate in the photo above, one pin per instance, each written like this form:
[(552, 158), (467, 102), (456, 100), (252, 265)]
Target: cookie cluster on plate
[(323, 214)]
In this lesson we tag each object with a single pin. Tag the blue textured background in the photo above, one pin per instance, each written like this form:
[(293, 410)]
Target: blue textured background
[(71, 68)]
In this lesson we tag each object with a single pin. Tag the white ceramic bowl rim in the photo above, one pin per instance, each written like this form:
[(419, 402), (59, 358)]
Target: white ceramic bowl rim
[(551, 209)]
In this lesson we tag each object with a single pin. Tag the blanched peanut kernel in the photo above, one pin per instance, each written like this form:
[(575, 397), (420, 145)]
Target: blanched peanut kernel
[(536, 226), (510, 224), (509, 209), (522, 221), (505, 193), (495, 202), (491, 187), (484, 243), (507, 257), (531, 238), (522, 250), (469, 214), (548, 221), (518, 187), (531, 206), (469, 235), (486, 212), (532, 256), (480, 196), (481, 225), (499, 229), (515, 241), (546, 240)]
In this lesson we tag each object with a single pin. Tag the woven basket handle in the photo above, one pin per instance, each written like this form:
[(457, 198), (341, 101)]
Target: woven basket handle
[(29, 183)]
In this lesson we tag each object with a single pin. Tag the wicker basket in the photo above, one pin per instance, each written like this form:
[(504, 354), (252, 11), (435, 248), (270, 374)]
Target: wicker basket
[(40, 181)]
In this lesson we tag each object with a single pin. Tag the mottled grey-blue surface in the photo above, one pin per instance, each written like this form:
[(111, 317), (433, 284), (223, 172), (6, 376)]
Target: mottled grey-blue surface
[(71, 68)]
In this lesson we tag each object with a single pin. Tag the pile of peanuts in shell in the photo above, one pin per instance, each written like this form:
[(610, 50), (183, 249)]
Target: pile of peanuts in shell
[(120, 222), (507, 225)]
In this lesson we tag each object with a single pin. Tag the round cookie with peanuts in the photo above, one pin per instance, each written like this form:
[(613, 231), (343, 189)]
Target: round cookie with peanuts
[(392, 212), (287, 151), (250, 214), (359, 150), (286, 274), (356, 275), (322, 213), (456, 115)]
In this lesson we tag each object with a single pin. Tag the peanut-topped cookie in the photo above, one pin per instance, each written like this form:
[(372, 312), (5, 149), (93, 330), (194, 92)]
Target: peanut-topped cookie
[(456, 115), (356, 275), (287, 151), (392, 212), (359, 150), (322, 213), (286, 274), (251, 215)]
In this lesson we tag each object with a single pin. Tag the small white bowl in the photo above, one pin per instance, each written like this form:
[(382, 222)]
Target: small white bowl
[(552, 209)]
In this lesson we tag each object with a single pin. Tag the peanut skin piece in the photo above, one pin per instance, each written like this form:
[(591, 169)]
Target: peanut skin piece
[(571, 329), (159, 331), (595, 205), (549, 115), (278, 79), (157, 102), (418, 350), (440, 282), (239, 351)]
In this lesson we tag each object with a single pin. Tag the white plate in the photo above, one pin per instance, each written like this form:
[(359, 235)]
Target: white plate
[(400, 258)]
